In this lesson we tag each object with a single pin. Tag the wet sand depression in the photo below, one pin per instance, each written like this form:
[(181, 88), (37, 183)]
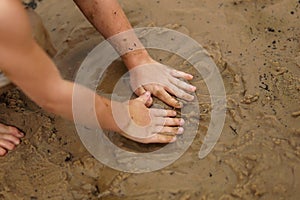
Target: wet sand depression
[(256, 46)]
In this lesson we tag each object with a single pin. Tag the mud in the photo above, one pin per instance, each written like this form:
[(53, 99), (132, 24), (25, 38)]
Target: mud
[(256, 47)]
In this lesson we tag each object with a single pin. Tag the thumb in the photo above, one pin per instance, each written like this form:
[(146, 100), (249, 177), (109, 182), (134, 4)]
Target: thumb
[(139, 91), (145, 97)]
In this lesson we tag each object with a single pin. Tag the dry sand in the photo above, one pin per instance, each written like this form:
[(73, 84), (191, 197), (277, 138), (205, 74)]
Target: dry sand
[(255, 44)]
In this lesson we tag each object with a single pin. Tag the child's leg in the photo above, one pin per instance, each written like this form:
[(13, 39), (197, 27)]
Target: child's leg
[(40, 33), (9, 135), (9, 138)]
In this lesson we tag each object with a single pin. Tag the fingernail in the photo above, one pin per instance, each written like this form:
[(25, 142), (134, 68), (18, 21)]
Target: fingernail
[(173, 140), (147, 93), (180, 130), (182, 122), (21, 134)]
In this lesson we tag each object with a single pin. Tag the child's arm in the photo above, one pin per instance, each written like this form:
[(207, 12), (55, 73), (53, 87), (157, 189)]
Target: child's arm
[(109, 19), (28, 66)]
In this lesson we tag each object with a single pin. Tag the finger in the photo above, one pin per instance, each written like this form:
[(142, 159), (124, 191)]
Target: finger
[(6, 144), (167, 121), (144, 97), (2, 151), (10, 138), (180, 93), (174, 122), (159, 138), (140, 91), (156, 138), (149, 102), (154, 112), (172, 130), (183, 85), (180, 74), (163, 95)]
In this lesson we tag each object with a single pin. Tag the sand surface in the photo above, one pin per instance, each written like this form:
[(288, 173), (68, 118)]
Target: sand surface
[(256, 46)]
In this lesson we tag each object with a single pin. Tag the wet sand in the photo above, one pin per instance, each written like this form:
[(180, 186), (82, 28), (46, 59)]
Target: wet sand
[(256, 46)]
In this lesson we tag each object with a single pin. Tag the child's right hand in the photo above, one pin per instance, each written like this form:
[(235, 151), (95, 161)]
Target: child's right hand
[(147, 125)]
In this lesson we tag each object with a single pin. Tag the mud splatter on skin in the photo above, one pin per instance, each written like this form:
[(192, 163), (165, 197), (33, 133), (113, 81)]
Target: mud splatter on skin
[(256, 47)]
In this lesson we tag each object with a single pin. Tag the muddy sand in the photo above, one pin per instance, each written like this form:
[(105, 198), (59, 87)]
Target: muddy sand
[(255, 44)]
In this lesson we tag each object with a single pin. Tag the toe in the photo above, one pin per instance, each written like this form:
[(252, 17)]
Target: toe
[(11, 130), (14, 131), (2, 151), (6, 144), (11, 138)]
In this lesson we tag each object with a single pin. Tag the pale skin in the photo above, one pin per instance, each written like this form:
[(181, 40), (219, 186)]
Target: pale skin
[(29, 67)]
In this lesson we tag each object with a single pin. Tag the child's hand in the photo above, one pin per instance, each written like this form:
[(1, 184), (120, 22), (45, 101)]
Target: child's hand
[(161, 80), (147, 125)]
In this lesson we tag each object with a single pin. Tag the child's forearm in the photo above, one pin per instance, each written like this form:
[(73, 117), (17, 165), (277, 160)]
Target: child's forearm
[(109, 19), (29, 67), (106, 15), (76, 105)]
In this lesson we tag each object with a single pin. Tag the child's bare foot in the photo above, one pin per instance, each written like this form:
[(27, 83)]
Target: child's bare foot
[(9, 138)]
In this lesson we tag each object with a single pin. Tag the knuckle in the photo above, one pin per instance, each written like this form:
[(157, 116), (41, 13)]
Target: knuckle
[(159, 92), (157, 87)]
